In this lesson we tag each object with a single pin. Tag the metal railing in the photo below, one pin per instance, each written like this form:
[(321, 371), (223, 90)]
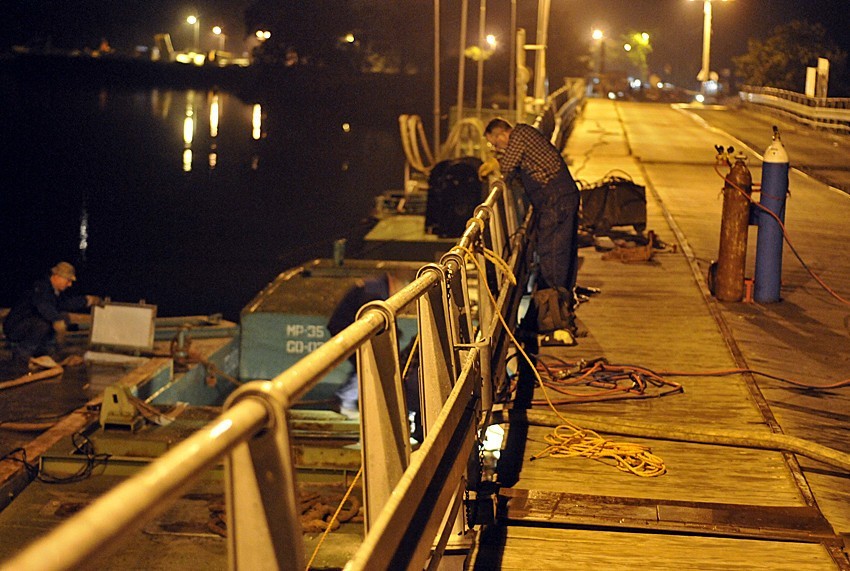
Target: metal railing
[(411, 500), (562, 108), (830, 113)]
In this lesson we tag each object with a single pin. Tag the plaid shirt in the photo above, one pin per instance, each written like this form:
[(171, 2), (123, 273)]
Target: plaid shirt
[(530, 152)]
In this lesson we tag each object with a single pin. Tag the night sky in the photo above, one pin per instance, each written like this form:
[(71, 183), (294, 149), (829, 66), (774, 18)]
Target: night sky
[(674, 25)]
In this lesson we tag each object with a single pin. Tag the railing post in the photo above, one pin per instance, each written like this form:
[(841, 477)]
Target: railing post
[(263, 525), (512, 216), (438, 363), (384, 436), (460, 309)]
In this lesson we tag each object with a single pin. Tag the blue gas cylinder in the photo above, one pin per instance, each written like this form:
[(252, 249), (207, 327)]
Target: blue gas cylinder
[(774, 188)]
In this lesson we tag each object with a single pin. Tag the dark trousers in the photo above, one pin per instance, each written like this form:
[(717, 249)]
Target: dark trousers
[(32, 336), (557, 229)]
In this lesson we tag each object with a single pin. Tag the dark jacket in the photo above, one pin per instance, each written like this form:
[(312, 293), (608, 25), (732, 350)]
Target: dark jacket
[(369, 289), (41, 301)]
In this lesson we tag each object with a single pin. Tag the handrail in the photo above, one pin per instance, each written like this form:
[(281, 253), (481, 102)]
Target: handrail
[(831, 113), (252, 436), (556, 119)]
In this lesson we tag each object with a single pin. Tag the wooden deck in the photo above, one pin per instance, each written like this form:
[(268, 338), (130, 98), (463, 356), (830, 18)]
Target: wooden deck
[(717, 507)]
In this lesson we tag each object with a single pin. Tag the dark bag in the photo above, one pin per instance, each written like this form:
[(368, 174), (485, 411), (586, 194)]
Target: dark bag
[(553, 309), (614, 201)]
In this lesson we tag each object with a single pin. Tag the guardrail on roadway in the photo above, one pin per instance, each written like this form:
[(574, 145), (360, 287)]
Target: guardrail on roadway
[(830, 113)]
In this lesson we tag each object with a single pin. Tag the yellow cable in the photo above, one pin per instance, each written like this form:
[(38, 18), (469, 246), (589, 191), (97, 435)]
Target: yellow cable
[(633, 458), (410, 357), (490, 255)]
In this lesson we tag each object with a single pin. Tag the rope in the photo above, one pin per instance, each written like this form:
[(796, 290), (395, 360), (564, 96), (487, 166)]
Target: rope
[(410, 356), (333, 518), (632, 458), (493, 257)]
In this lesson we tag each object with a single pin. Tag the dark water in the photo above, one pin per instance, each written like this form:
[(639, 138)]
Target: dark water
[(155, 195)]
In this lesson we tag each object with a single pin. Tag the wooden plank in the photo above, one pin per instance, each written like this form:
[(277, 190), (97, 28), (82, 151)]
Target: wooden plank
[(801, 523), (695, 473), (542, 549)]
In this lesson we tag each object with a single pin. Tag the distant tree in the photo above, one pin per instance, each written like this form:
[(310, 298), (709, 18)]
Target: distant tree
[(383, 36), (312, 30), (781, 60), (398, 36), (638, 49)]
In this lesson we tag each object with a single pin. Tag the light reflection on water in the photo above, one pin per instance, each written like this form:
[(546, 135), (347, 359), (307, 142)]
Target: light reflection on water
[(191, 200)]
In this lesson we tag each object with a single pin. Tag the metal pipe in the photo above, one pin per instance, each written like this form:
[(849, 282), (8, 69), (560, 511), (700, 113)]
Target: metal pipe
[(540, 56), (479, 90), (512, 59), (436, 108), (461, 63), (298, 379), (705, 72)]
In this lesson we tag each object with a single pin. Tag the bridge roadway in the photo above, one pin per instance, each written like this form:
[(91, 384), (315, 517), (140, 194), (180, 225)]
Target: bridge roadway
[(717, 507)]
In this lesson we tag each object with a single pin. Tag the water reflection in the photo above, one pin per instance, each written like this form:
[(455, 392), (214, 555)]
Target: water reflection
[(214, 111), (257, 122), (191, 127), (161, 103), (187, 160), (275, 184), (84, 232), (188, 131)]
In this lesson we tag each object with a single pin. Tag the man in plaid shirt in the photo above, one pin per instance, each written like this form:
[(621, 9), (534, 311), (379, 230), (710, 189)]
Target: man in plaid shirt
[(523, 151)]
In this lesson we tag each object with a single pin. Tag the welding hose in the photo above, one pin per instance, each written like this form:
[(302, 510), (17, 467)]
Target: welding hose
[(785, 235), (716, 436)]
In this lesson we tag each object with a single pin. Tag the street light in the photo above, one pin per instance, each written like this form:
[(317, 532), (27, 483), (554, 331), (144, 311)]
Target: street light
[(481, 39), (599, 37), (195, 21), (221, 37), (705, 74)]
